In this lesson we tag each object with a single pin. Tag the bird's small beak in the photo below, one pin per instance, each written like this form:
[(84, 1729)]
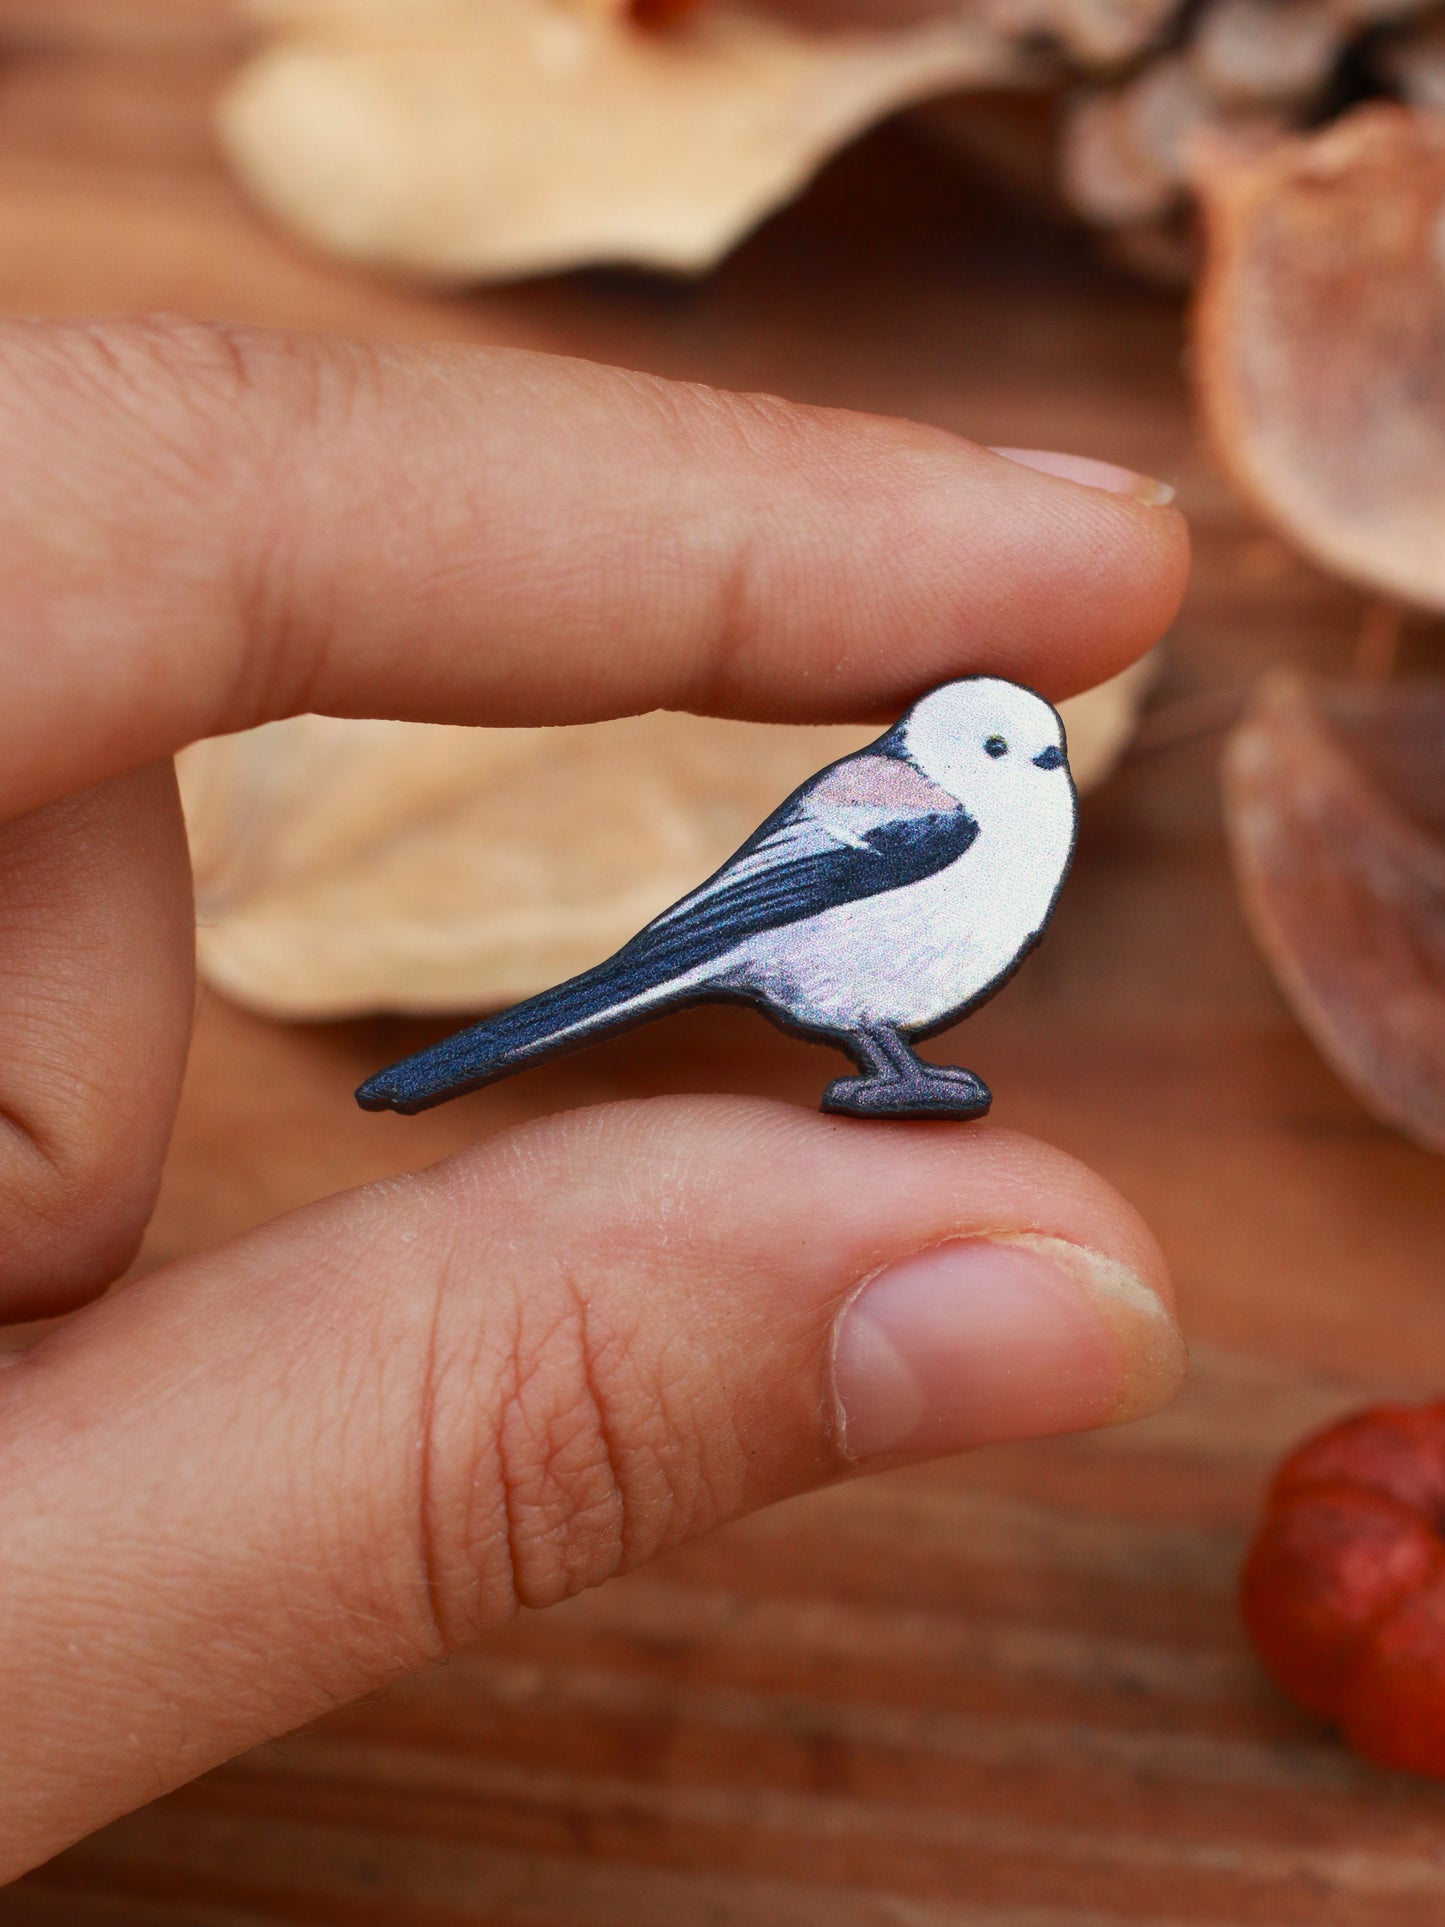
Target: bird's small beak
[(1051, 758)]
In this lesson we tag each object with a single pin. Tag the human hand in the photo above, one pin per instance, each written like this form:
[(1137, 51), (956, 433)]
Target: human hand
[(266, 1480)]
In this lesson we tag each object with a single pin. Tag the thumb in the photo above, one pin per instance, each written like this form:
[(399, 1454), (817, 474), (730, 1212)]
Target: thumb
[(267, 1481)]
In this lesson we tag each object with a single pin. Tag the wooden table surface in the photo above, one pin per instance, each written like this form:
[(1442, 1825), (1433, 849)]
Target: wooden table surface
[(1005, 1691)]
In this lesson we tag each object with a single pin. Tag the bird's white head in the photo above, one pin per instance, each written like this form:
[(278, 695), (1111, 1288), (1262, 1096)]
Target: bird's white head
[(990, 743)]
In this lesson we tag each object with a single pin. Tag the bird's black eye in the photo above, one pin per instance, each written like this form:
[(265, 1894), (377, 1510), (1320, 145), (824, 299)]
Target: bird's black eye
[(995, 745)]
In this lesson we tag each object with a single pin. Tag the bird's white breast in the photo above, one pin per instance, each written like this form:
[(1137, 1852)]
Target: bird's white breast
[(909, 957)]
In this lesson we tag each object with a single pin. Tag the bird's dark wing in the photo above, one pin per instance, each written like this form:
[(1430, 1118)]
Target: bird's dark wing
[(868, 824)]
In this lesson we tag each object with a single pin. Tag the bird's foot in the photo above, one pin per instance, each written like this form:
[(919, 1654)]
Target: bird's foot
[(934, 1090)]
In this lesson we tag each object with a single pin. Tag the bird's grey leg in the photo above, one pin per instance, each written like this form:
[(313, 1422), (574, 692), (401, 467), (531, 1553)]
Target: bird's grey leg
[(879, 1053), (895, 1082)]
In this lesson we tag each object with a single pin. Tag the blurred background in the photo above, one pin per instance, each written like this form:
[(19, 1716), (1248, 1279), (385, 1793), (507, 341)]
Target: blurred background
[(1202, 239)]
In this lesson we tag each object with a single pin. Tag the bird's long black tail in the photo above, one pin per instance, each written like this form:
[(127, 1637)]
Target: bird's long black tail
[(576, 1012)]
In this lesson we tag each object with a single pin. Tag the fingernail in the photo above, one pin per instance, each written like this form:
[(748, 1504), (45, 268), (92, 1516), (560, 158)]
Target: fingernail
[(998, 1338), (1083, 468)]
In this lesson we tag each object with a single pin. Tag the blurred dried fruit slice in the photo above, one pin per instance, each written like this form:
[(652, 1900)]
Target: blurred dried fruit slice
[(352, 866), (481, 141), (1335, 802), (1320, 340), (344, 866)]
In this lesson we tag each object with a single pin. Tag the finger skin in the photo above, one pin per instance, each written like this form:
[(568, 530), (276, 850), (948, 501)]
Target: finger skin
[(264, 1482), (271, 1479), (97, 939), (201, 528)]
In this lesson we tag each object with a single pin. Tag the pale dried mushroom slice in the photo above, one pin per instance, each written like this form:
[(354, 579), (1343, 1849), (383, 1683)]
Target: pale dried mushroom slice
[(481, 142), (344, 867), (1320, 341), (1335, 802)]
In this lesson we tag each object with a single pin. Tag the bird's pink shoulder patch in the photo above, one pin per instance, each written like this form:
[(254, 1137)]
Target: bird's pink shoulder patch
[(883, 782)]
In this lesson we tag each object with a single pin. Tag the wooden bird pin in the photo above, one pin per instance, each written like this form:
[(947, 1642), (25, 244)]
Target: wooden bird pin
[(893, 893)]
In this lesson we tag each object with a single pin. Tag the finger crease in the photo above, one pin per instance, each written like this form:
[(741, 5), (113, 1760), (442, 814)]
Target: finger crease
[(611, 1461), (715, 674), (29, 1143)]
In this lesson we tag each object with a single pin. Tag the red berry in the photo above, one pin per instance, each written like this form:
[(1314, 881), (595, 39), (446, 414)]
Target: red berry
[(1399, 1449), (1324, 1568), (1343, 1592), (1393, 1705)]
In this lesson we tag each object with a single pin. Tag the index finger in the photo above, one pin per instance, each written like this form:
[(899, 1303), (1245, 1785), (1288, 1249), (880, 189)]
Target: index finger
[(205, 528)]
